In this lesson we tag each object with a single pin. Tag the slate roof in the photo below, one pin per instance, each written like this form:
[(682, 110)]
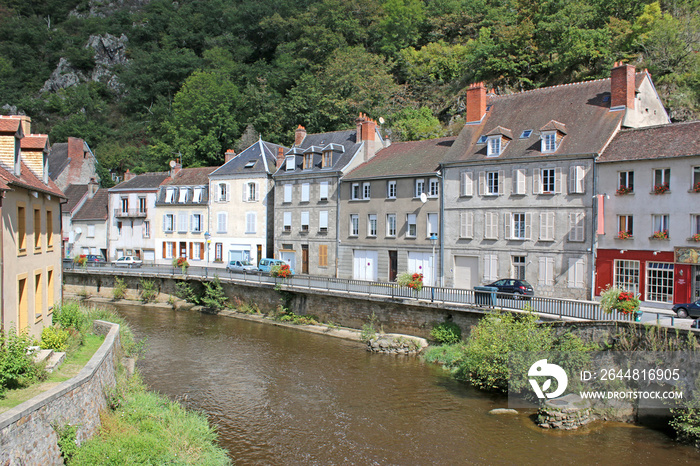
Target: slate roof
[(28, 180), (149, 180), (404, 159), (654, 142), (584, 109), (344, 138), (95, 208), (263, 153), (198, 176), (58, 159), (74, 193)]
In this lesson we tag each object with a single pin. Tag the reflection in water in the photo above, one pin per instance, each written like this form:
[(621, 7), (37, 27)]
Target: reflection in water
[(282, 396)]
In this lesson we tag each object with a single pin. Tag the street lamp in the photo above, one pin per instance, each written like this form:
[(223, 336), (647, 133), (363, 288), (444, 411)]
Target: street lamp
[(207, 237), (433, 241)]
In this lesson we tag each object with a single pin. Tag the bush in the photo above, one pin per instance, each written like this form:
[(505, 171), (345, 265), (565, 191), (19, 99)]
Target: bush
[(54, 338), (411, 280), (68, 315), (214, 297), (184, 290), (17, 369), (446, 333), (149, 292), (369, 330), (119, 291)]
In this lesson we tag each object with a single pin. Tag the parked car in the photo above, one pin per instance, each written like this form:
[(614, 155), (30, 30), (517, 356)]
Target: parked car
[(241, 267), (687, 310), (128, 261), (266, 264), (94, 259), (512, 287)]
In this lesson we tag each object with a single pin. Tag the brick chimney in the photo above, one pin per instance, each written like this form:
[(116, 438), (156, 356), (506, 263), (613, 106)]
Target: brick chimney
[(128, 175), (367, 135), (229, 155), (622, 86), (93, 187), (476, 102), (299, 135), (175, 167), (280, 157)]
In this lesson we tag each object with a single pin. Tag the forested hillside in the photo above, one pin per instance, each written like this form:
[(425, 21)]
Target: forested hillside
[(162, 79)]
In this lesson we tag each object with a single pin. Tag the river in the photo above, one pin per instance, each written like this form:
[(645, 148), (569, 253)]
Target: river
[(283, 396)]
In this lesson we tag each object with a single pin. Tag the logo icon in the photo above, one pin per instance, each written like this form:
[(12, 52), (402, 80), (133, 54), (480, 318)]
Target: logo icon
[(542, 369)]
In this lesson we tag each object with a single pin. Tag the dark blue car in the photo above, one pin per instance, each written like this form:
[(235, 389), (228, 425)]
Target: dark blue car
[(687, 310), (511, 287)]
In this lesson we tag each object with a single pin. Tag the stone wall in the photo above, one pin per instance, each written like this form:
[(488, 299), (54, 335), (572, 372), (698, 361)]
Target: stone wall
[(27, 434)]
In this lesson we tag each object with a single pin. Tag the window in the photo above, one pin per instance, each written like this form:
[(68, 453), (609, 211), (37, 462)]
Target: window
[(355, 191), (183, 195), (491, 183), (196, 223), (626, 184), (323, 191), (142, 205), (196, 251), (250, 164), (326, 159), (577, 226), (518, 225), (391, 225), (420, 187), (482, 139), (490, 267), (125, 205), (218, 252), (289, 163), (198, 194), (168, 223), (354, 225), (91, 231), (287, 193), (576, 175), (494, 146), (37, 228), (466, 224), (323, 255), (168, 250), (411, 225), (659, 287), (625, 226), (119, 228), (694, 224), (696, 180), (251, 221), (169, 195), (182, 222), (627, 275), (49, 290), (287, 221), (23, 301), (432, 224), (221, 222), (323, 221), (518, 267), (662, 179), (547, 226), (490, 225), (546, 181), (146, 229), (305, 192), (49, 230), (577, 272), (466, 187), (305, 221), (366, 190), (391, 189), (519, 181), (659, 225), (223, 192), (251, 194), (549, 141), (545, 276), (372, 225), (38, 304), (525, 134), (308, 161), (433, 187)]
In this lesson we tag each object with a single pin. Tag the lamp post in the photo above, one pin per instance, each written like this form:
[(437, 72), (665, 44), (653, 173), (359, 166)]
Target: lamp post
[(207, 238), (433, 241)]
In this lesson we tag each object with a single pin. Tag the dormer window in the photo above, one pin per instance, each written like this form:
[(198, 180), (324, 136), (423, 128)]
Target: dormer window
[(497, 140), (308, 161), (549, 141), (183, 196), (289, 165), (198, 194), (326, 159), (170, 195), (494, 146), (551, 135)]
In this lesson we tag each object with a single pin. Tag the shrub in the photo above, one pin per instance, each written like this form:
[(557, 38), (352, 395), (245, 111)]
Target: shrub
[(68, 315), (614, 299), (369, 329), (17, 369), (54, 338), (184, 290), (214, 297), (411, 280), (119, 291), (181, 263), (67, 441), (446, 333), (149, 292)]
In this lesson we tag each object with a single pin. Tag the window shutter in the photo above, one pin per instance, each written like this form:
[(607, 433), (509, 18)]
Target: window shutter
[(557, 180), (507, 219), (228, 192), (521, 181), (528, 225), (324, 190), (191, 251), (580, 272), (245, 192), (257, 191), (323, 219), (164, 224), (572, 273), (482, 183), (466, 220), (542, 272), (164, 249), (467, 183), (487, 266), (201, 250), (572, 179), (537, 181)]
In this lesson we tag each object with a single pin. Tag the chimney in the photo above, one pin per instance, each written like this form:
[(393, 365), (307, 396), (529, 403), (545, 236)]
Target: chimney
[(93, 187), (366, 134), (229, 155), (299, 135), (280, 157), (358, 121), (128, 175), (622, 86), (175, 168), (476, 102)]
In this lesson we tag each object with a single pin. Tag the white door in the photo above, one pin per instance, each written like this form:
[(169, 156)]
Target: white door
[(290, 258), (364, 265), (422, 262), (149, 256), (466, 272)]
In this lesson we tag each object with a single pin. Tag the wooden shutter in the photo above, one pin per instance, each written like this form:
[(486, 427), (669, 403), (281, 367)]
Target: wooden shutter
[(536, 181), (174, 249), (165, 244), (482, 183), (557, 180), (501, 184), (508, 220), (467, 183), (201, 250)]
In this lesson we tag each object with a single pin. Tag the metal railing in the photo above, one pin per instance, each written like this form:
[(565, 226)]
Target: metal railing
[(119, 213)]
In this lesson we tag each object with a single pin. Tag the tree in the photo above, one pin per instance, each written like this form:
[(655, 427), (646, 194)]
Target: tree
[(412, 124)]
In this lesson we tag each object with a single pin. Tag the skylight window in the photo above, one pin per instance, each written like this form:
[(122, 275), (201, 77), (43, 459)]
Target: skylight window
[(488, 107), (526, 134), (606, 98), (250, 164), (482, 140)]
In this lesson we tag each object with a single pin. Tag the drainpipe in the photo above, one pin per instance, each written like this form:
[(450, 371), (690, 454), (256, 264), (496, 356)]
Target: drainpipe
[(594, 235), (2, 267), (441, 228), (337, 222)]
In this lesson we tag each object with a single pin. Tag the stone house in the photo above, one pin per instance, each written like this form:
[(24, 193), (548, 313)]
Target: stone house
[(72, 162), (89, 223), (519, 180), (649, 241), (306, 194), (389, 213), (30, 229), (242, 205)]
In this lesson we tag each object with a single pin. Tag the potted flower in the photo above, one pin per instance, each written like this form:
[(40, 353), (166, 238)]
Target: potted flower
[(660, 188), (622, 190), (696, 187), (80, 260), (624, 302), (181, 263), (413, 281), (661, 234), (282, 271), (696, 237), (623, 235)]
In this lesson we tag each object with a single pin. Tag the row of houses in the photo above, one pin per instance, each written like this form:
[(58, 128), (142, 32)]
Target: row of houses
[(573, 188)]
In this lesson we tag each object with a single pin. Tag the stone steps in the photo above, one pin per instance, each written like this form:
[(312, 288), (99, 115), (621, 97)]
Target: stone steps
[(52, 358)]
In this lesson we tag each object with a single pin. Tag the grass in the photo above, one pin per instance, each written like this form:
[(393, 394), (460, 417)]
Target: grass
[(71, 366)]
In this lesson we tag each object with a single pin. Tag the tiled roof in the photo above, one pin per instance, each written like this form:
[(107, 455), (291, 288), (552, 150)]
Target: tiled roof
[(584, 109), (150, 180), (9, 125), (404, 159), (74, 193), (655, 142), (344, 138), (95, 208), (28, 180), (191, 177), (34, 141), (260, 152)]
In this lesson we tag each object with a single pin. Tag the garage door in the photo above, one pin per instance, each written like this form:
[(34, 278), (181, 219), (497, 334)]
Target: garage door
[(422, 262), (466, 272), (364, 265)]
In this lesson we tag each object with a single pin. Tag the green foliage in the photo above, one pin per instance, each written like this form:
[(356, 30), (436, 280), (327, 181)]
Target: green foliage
[(214, 297), (184, 290), (69, 315), (369, 329), (412, 124), (67, 441), (410, 280), (17, 369), (148, 290), (446, 333), (131, 346), (54, 338), (119, 291)]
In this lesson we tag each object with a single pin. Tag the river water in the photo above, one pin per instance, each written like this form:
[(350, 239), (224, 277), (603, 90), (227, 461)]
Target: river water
[(282, 396)]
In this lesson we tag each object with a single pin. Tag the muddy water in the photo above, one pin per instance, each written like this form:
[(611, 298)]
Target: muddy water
[(281, 396)]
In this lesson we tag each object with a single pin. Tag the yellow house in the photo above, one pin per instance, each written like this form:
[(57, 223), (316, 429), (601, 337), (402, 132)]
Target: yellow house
[(30, 226)]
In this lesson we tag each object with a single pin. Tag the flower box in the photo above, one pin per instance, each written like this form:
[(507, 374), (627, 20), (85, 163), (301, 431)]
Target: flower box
[(663, 234), (696, 188), (623, 235), (696, 237), (614, 299), (622, 190), (661, 188)]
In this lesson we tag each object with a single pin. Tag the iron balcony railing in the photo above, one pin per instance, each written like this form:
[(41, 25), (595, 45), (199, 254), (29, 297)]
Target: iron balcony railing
[(130, 213)]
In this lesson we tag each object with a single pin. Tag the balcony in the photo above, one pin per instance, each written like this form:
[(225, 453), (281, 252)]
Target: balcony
[(131, 213)]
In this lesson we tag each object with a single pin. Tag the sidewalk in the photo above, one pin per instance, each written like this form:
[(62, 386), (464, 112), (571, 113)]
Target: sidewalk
[(663, 315)]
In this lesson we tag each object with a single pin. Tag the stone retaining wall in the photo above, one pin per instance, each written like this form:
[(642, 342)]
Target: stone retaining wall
[(27, 435)]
